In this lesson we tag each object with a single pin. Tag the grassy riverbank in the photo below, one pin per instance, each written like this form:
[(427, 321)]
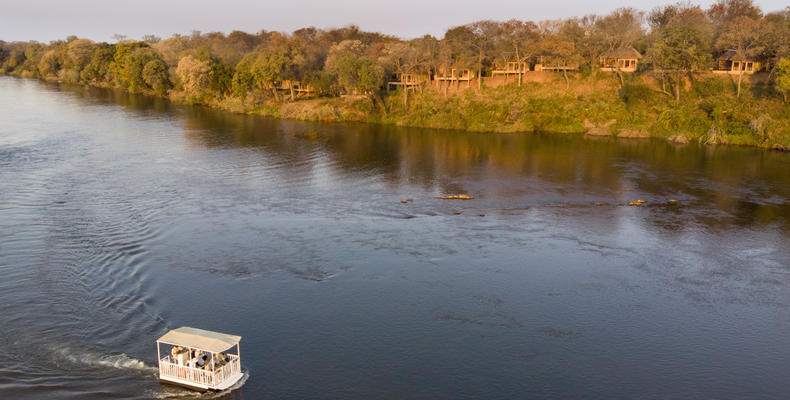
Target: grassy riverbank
[(709, 112)]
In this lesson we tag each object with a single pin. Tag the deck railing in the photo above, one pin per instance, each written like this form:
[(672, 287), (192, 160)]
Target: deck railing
[(169, 369)]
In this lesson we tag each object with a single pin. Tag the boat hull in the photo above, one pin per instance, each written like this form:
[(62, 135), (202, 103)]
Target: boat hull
[(226, 384)]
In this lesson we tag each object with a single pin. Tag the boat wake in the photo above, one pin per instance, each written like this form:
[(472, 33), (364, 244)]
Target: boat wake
[(97, 359)]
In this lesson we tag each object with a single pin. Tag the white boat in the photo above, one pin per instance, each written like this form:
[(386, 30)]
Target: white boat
[(199, 359)]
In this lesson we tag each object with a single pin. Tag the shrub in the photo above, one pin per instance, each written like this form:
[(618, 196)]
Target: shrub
[(710, 87), (636, 93)]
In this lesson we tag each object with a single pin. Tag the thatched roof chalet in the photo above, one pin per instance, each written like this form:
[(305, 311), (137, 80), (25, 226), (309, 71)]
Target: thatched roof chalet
[(731, 62), (622, 53), (623, 59), (732, 55)]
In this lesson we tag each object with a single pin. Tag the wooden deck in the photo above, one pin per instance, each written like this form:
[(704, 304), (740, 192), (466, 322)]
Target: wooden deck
[(454, 75), (407, 81), (511, 68), (296, 86)]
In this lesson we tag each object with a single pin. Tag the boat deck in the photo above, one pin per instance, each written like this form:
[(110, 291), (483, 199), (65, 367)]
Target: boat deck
[(199, 378)]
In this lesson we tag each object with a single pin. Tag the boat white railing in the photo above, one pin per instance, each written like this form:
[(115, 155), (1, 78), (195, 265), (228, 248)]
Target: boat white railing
[(226, 371), (169, 369)]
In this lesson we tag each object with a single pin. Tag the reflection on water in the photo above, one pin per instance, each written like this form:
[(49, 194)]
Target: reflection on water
[(123, 216)]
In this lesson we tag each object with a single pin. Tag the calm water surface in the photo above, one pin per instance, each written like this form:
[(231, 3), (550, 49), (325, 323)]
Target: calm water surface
[(122, 217)]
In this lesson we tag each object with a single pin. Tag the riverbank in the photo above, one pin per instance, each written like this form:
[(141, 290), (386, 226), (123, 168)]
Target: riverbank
[(593, 104)]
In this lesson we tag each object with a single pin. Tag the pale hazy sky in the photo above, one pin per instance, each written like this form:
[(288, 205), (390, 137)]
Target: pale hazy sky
[(46, 20)]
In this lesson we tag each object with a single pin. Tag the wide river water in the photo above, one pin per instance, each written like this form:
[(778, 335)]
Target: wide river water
[(124, 216)]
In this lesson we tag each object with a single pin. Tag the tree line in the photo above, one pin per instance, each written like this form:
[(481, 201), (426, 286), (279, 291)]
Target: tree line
[(678, 41)]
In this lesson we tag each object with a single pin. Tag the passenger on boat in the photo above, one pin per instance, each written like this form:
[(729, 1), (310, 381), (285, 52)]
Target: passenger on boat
[(174, 351)]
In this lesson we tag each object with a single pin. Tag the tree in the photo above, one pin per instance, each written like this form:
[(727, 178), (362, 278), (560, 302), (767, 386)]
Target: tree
[(98, 68), (221, 77), (194, 74), (125, 73), (49, 65), (269, 69), (233, 48), (724, 11), (620, 29), (151, 39), (471, 44), (155, 76), (428, 48), (356, 72), (172, 48), (78, 54), (3, 52), (682, 45), (783, 77), (402, 58), (741, 34), (260, 70), (370, 77), (129, 67), (14, 60), (561, 52), (739, 24), (33, 53), (776, 34), (521, 39), (241, 83), (483, 33), (307, 55), (583, 33), (457, 49)]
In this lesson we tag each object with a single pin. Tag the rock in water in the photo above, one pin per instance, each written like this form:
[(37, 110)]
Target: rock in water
[(633, 134), (456, 197), (680, 139), (598, 132)]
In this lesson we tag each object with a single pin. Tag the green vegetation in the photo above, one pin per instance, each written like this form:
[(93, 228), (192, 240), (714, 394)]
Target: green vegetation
[(343, 74)]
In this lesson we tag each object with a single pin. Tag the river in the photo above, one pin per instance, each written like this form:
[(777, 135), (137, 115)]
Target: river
[(123, 216)]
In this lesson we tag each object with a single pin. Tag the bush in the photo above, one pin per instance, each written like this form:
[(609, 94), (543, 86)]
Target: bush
[(636, 93), (710, 87)]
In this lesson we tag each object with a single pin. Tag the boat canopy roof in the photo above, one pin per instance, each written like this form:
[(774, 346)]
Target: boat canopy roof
[(213, 342)]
